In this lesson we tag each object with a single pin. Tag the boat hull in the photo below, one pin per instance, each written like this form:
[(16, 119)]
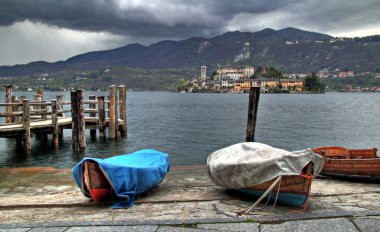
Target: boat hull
[(352, 167), (358, 163), (96, 184), (283, 198), (294, 190)]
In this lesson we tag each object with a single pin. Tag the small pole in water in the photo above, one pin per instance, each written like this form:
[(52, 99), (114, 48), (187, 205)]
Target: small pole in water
[(81, 120), (254, 95), (92, 114), (26, 124), (8, 99), (123, 110), (60, 107), (54, 121), (74, 116), (112, 112), (102, 117)]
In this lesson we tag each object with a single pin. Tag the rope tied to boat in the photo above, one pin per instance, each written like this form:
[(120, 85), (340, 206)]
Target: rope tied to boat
[(269, 190)]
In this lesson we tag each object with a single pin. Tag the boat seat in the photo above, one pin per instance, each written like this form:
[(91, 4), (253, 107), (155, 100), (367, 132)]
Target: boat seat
[(363, 153)]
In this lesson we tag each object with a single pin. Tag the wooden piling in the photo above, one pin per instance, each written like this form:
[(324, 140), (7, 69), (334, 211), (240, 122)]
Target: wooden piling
[(102, 118), (60, 107), (123, 109), (20, 99), (8, 99), (54, 121), (14, 109), (112, 112), (26, 123), (59, 102), (81, 121), (254, 95), (117, 132), (74, 116), (92, 106)]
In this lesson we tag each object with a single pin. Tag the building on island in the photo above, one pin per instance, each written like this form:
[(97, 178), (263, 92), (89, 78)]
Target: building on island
[(234, 72), (242, 85), (203, 72), (241, 79), (283, 84)]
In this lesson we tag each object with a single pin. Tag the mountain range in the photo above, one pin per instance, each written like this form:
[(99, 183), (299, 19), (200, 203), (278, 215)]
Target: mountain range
[(289, 50)]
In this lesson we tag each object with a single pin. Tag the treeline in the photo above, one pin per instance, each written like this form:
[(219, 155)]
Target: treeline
[(133, 78)]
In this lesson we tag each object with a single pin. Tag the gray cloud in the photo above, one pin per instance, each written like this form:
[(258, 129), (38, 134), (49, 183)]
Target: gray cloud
[(151, 21), (184, 18)]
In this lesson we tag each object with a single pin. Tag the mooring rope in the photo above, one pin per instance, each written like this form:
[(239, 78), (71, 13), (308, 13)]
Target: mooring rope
[(265, 194)]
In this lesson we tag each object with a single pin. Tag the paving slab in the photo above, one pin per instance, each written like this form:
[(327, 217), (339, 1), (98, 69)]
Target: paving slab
[(112, 229), (370, 224), (15, 230), (179, 229), (49, 229), (317, 225), (243, 226)]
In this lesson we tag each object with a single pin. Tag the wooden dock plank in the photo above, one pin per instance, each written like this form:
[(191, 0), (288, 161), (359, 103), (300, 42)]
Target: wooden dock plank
[(48, 123)]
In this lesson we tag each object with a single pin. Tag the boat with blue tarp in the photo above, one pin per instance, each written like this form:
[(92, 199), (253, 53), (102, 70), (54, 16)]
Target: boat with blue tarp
[(121, 178)]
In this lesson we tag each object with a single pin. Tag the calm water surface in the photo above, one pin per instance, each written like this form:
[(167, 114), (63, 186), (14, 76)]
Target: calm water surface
[(190, 126)]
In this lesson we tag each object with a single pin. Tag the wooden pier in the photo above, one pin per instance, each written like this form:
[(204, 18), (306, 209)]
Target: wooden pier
[(24, 117)]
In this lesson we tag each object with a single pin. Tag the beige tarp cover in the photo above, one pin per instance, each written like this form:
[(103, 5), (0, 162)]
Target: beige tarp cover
[(248, 164)]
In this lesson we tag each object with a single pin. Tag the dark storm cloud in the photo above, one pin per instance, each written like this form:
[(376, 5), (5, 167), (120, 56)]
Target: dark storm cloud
[(184, 18), (336, 15), (167, 18), (31, 29)]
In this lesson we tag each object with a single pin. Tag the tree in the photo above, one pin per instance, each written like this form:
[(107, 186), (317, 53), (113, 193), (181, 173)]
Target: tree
[(273, 73), (181, 85), (213, 75), (313, 84)]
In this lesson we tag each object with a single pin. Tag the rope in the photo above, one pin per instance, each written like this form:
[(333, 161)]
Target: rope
[(275, 200), (264, 195)]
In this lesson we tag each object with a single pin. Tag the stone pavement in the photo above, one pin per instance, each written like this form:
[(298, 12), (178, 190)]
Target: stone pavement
[(46, 199)]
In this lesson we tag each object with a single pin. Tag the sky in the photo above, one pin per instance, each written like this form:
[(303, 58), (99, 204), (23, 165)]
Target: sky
[(53, 30)]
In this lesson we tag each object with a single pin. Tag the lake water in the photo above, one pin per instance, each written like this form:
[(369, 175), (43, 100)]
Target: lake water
[(190, 126)]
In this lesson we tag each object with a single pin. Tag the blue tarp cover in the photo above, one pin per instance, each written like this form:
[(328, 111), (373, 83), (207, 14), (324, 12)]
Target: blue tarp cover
[(130, 174)]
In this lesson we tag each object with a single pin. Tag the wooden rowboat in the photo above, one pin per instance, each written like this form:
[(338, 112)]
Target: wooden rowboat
[(340, 161), (119, 179), (293, 190), (262, 171), (95, 183)]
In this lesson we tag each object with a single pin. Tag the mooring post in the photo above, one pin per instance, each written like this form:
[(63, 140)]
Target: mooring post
[(254, 95), (8, 99), (60, 104), (20, 99), (74, 118), (81, 120), (123, 109), (14, 109), (54, 121), (102, 118), (60, 114), (117, 132), (26, 123), (92, 114), (112, 112)]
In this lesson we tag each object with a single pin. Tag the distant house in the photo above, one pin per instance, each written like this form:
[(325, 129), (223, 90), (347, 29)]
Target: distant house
[(286, 84), (234, 72), (242, 85), (291, 84), (346, 74)]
